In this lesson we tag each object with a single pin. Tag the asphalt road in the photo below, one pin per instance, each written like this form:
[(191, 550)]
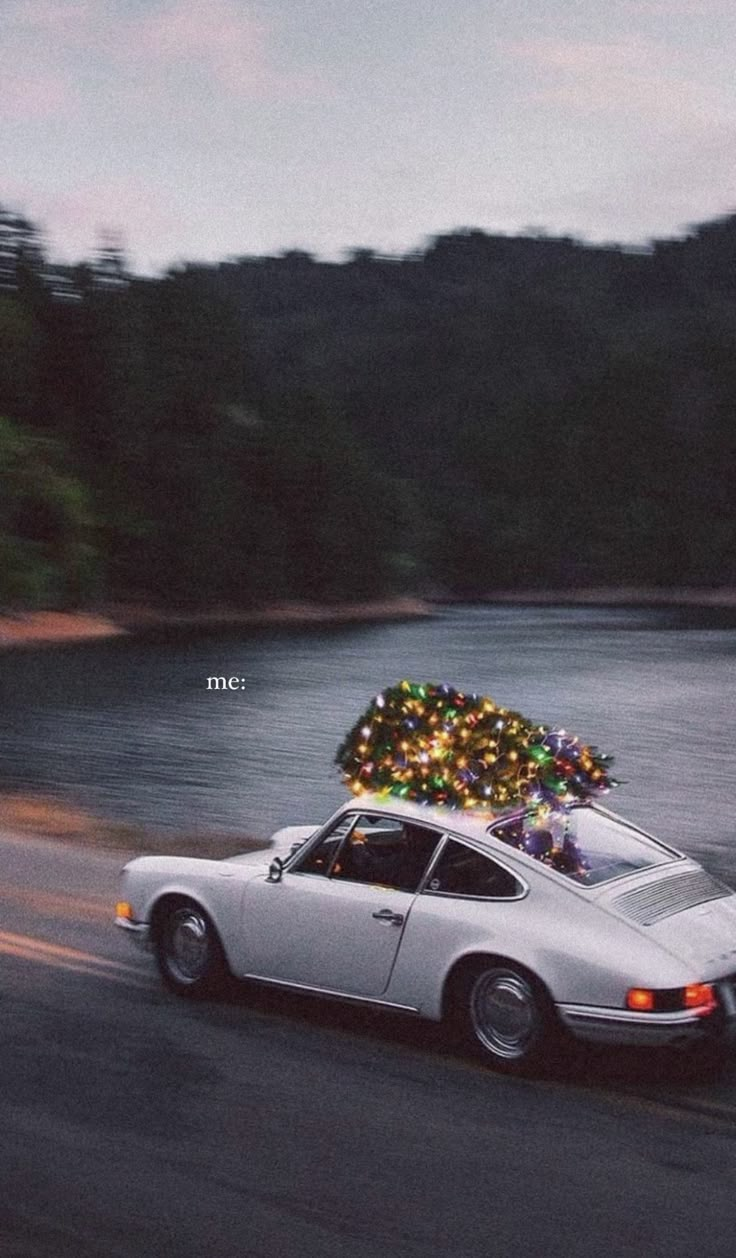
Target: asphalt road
[(134, 1123)]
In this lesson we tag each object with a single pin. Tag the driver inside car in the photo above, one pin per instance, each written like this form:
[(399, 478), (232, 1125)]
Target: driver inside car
[(390, 861)]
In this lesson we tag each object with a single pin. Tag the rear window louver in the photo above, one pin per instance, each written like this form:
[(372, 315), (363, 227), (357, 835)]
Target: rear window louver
[(647, 905)]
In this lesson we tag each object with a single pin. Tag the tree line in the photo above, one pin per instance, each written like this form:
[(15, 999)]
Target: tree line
[(490, 411)]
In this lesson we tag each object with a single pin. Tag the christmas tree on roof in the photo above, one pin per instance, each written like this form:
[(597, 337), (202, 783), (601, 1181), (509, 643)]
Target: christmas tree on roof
[(434, 744)]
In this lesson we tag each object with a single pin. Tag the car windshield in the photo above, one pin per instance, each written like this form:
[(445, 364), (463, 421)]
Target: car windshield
[(586, 845)]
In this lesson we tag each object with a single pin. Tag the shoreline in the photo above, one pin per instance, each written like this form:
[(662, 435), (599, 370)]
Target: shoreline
[(51, 628), (45, 628)]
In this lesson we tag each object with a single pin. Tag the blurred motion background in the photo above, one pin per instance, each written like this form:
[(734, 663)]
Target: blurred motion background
[(489, 412), (297, 422)]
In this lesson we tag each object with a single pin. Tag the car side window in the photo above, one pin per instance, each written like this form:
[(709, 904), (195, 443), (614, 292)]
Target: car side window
[(320, 859), (386, 852), (464, 872)]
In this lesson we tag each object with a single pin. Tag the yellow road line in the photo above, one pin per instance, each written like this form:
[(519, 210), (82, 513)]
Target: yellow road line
[(29, 948)]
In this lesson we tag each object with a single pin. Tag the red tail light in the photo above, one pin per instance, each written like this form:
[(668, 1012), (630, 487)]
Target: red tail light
[(640, 998), (700, 996)]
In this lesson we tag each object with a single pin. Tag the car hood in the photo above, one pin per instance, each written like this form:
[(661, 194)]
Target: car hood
[(689, 913), (279, 844)]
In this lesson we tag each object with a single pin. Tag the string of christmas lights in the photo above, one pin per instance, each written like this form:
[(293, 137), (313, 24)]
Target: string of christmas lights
[(436, 745)]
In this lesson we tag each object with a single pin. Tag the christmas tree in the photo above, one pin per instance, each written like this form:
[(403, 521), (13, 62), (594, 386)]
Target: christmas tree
[(436, 745)]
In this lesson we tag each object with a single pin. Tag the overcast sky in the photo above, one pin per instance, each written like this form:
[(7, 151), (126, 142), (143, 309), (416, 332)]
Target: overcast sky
[(209, 128)]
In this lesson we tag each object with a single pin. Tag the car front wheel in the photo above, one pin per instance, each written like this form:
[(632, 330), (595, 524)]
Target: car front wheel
[(188, 951), (507, 1016)]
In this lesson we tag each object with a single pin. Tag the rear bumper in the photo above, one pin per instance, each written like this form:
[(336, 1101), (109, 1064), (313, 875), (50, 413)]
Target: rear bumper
[(624, 1026)]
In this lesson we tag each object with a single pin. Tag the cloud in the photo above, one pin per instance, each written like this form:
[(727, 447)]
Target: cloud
[(54, 44), (228, 43), (223, 39), (35, 95), (634, 76), (679, 8), (39, 83), (53, 16)]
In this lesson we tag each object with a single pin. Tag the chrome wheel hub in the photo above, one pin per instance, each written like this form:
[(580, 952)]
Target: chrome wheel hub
[(504, 1013), (188, 945)]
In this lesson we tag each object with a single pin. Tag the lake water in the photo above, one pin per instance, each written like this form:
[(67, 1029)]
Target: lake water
[(128, 728)]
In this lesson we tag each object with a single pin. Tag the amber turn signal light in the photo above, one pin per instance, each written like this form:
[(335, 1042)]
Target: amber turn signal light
[(123, 909)]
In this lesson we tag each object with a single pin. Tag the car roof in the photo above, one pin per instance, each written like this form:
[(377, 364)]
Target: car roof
[(474, 824)]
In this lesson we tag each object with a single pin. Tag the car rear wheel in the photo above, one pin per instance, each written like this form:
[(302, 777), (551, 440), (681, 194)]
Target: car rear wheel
[(507, 1016), (188, 950)]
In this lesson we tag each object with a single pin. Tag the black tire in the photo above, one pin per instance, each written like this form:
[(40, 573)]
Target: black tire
[(189, 954), (505, 1015)]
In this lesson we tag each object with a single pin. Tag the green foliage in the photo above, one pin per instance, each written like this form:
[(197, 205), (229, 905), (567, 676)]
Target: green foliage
[(346, 517), (46, 557), (20, 341), (495, 411)]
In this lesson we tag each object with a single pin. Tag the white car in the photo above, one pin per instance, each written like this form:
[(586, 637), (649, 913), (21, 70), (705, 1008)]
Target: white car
[(519, 929)]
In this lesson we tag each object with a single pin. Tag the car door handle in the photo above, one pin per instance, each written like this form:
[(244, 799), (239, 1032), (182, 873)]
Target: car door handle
[(385, 915)]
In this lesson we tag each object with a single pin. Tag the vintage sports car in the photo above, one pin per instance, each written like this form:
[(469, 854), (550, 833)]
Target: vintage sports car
[(518, 929)]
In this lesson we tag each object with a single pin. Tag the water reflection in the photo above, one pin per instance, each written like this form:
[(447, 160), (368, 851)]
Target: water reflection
[(129, 729)]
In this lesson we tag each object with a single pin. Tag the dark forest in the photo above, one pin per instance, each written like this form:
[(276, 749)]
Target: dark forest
[(491, 411)]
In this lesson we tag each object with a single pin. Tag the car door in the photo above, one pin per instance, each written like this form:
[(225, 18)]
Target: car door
[(336, 917)]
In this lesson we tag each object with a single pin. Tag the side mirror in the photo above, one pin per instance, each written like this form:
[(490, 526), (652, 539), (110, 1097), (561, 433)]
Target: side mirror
[(275, 870)]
